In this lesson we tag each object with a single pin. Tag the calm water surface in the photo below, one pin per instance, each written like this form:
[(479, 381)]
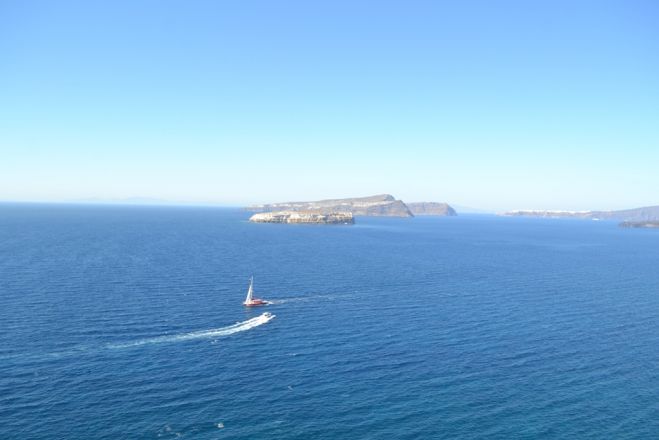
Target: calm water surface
[(120, 323)]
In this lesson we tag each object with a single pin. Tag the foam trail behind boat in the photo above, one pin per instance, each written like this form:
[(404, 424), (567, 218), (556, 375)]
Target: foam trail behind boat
[(328, 297), (202, 334)]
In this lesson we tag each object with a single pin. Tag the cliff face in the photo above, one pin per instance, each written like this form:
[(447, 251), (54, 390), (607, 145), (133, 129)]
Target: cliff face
[(380, 205), (647, 214), (431, 208), (344, 218)]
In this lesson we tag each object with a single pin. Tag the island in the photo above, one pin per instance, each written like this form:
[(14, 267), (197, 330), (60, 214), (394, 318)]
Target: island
[(645, 214), (549, 214), (304, 217), (431, 208), (382, 205), (647, 225), (379, 205)]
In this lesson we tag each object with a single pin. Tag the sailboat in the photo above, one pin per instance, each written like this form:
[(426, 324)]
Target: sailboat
[(250, 301)]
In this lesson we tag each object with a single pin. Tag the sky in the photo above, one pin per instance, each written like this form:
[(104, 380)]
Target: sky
[(494, 105)]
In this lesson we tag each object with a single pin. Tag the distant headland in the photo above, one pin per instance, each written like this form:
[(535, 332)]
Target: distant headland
[(431, 208), (382, 205), (647, 225), (645, 214)]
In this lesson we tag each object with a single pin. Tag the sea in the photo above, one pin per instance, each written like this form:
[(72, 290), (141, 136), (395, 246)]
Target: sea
[(125, 322)]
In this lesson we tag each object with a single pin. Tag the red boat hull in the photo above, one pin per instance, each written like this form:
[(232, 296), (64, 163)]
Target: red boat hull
[(255, 302)]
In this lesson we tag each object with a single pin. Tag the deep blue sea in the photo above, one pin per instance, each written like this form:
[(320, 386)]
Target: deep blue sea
[(120, 323)]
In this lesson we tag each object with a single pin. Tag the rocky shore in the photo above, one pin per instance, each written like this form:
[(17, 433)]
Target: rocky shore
[(302, 217)]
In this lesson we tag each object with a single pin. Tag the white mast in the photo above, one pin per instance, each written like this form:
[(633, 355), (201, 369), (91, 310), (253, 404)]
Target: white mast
[(250, 290)]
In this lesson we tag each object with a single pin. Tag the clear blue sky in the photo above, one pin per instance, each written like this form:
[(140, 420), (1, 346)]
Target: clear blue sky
[(491, 104)]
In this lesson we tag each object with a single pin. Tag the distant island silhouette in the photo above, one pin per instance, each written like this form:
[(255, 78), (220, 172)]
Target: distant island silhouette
[(645, 214), (381, 205)]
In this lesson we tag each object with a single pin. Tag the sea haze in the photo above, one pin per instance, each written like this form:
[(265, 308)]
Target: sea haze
[(126, 322)]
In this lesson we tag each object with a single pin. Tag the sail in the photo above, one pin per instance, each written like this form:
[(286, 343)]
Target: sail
[(250, 291)]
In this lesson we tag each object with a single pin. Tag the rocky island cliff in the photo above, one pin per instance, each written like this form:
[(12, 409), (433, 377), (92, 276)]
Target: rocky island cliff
[(431, 208), (380, 205), (335, 218), (383, 205)]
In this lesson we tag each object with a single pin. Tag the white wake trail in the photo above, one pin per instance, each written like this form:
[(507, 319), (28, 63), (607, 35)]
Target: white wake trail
[(295, 299), (202, 334)]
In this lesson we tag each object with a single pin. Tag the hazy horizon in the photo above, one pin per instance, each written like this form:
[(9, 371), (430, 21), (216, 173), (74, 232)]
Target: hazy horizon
[(146, 201), (495, 106)]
